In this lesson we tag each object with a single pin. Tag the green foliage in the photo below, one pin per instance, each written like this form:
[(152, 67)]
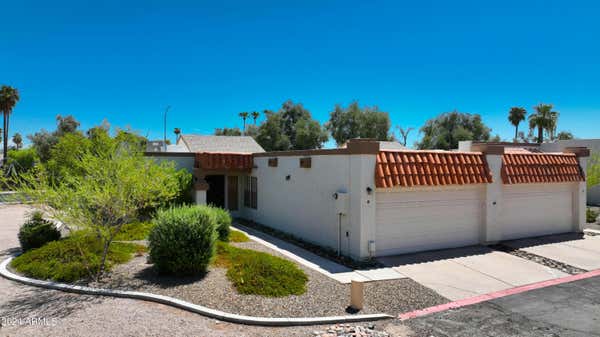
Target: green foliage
[(71, 259), (100, 183), (183, 240), (544, 119), (9, 97), (185, 182), (19, 162), (565, 135), (228, 132), (258, 273), (446, 130), (134, 231), (237, 236), (591, 215), (515, 117), (290, 128), (18, 140), (43, 141), (270, 133), (593, 170), (223, 222), (356, 122), (36, 232)]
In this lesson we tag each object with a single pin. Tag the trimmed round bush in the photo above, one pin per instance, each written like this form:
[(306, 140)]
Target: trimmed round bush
[(182, 241), (36, 232), (223, 219)]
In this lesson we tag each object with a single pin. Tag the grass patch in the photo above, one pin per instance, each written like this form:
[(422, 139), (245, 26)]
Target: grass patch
[(237, 236), (134, 231), (258, 273), (590, 215), (71, 259)]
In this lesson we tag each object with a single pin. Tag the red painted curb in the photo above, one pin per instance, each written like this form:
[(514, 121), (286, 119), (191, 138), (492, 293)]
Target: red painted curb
[(497, 294)]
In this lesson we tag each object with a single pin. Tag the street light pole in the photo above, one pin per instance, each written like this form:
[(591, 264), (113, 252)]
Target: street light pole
[(165, 128)]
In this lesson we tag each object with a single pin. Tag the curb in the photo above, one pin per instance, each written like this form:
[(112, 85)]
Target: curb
[(217, 314), (495, 295)]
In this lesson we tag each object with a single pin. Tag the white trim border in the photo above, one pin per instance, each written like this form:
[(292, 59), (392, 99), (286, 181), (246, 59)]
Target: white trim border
[(217, 314)]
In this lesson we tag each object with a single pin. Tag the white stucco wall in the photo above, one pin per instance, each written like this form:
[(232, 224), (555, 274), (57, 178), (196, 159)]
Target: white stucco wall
[(304, 205), (593, 193)]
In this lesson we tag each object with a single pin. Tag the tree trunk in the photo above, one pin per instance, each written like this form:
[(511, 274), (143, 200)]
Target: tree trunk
[(5, 138), (103, 261), (516, 132), (540, 134), (244, 133)]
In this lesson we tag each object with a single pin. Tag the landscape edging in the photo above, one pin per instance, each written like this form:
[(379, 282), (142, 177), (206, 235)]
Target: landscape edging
[(217, 314)]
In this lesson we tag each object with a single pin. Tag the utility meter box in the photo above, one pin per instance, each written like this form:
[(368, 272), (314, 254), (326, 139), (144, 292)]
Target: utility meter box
[(341, 202)]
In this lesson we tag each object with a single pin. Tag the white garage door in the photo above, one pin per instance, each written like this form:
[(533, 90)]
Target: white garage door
[(411, 221), (533, 210)]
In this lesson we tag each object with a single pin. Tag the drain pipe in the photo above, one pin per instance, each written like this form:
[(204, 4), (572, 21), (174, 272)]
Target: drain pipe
[(339, 250)]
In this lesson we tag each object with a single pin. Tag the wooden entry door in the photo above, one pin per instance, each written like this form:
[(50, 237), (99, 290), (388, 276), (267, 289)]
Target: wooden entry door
[(232, 193)]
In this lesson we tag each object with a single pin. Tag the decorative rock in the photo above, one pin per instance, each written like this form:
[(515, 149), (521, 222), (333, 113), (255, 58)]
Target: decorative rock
[(347, 330)]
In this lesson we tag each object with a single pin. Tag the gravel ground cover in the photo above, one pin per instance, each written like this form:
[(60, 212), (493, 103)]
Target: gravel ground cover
[(29, 311), (347, 330), (565, 268), (324, 296)]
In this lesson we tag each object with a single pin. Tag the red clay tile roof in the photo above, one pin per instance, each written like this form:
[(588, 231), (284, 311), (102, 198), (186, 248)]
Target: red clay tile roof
[(521, 168), (430, 168), (224, 161)]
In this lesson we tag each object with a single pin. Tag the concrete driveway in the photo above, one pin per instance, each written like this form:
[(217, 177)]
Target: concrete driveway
[(466, 272), (570, 309), (573, 249)]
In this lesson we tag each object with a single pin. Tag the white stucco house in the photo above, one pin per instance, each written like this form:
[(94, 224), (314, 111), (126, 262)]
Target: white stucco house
[(593, 193), (371, 199)]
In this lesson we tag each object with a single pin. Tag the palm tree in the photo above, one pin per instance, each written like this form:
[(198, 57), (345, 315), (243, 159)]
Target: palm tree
[(244, 116), (516, 115), (255, 115), (543, 119), (177, 132), (18, 140), (9, 97)]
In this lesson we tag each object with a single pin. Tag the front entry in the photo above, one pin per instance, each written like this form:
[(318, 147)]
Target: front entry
[(216, 190), (232, 193)]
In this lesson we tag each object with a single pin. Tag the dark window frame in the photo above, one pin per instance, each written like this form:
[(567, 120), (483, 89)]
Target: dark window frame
[(250, 192)]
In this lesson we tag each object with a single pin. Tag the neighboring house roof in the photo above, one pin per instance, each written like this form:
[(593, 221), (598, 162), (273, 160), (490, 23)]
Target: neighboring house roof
[(391, 146), (155, 146), (430, 168), (220, 144), (179, 148), (224, 161), (527, 168)]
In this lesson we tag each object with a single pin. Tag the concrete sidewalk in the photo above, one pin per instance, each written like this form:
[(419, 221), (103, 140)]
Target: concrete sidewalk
[(323, 265), (466, 272), (573, 249)]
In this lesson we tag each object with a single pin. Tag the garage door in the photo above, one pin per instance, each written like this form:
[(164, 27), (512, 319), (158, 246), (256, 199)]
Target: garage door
[(426, 220), (534, 210)]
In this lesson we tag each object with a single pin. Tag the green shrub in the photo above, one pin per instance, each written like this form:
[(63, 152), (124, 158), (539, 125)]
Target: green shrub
[(237, 236), (71, 259), (591, 215), (258, 273), (134, 231), (223, 219), (183, 240), (36, 232)]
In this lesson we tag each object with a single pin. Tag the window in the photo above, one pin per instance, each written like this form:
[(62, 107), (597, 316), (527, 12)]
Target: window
[(250, 194)]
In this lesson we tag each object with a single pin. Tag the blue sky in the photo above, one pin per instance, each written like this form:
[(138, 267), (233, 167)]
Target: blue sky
[(126, 60)]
